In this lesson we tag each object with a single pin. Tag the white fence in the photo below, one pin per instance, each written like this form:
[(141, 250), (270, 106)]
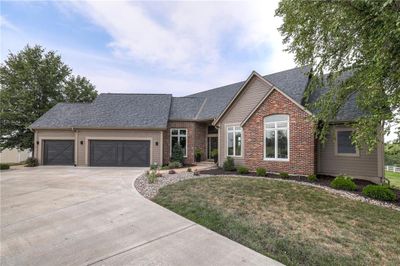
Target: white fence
[(392, 168)]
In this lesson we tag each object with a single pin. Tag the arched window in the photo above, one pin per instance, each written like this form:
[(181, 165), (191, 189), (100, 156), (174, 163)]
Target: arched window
[(276, 137)]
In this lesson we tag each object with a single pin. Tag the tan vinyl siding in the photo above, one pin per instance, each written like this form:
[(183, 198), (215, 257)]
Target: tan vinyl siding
[(85, 135), (252, 94), (364, 166)]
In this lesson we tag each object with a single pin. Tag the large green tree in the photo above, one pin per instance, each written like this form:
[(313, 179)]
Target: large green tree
[(33, 81), (357, 36)]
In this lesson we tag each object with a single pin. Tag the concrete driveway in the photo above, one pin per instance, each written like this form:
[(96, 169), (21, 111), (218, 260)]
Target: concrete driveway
[(86, 216)]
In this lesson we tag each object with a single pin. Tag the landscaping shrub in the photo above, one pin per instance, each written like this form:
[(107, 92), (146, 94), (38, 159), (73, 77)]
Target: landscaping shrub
[(177, 153), (189, 170), (175, 164), (379, 192), (312, 178), (229, 164), (284, 175), (4, 166), (197, 154), (31, 162), (214, 155), (171, 172), (260, 171), (154, 166), (165, 167), (344, 183), (196, 172), (242, 170), (152, 177)]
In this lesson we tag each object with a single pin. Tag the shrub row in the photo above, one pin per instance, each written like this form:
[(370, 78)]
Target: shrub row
[(4, 166)]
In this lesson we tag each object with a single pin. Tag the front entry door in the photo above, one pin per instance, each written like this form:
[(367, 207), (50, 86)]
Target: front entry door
[(212, 144)]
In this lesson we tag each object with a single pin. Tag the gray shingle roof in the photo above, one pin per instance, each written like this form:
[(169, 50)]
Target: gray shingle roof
[(111, 111), (185, 108)]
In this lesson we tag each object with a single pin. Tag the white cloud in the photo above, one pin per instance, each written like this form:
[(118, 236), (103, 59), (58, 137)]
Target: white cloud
[(6, 24)]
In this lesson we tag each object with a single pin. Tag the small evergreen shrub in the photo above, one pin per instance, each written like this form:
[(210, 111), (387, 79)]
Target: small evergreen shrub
[(152, 177), (177, 153), (344, 183), (260, 171), (154, 166), (31, 162), (171, 172), (197, 154), (242, 170), (214, 155), (379, 192), (189, 170), (175, 164), (4, 166), (229, 164), (312, 178), (284, 175), (165, 167)]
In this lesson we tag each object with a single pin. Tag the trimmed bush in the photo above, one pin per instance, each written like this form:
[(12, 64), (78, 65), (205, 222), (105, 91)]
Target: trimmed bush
[(189, 170), (173, 165), (152, 177), (197, 154), (242, 170), (171, 172), (379, 192), (165, 167), (261, 171), (214, 155), (229, 164), (4, 166), (154, 166), (284, 175), (344, 183), (31, 162), (177, 153), (312, 178)]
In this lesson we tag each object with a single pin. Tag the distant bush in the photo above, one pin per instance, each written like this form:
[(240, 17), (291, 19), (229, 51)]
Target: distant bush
[(152, 177), (344, 183), (154, 166), (242, 170), (379, 192), (31, 162), (173, 165), (171, 172), (284, 175), (312, 178), (260, 171), (229, 164), (4, 166), (189, 170)]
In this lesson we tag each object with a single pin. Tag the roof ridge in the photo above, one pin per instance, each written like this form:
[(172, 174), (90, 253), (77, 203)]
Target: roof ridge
[(123, 93)]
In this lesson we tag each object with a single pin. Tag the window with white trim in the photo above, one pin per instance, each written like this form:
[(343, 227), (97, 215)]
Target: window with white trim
[(234, 141), (343, 143), (276, 137), (179, 135)]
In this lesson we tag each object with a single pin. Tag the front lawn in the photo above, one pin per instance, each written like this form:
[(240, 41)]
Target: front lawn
[(394, 178), (294, 224)]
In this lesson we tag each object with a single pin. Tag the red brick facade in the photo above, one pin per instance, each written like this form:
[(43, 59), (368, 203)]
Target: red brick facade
[(302, 150), (196, 138)]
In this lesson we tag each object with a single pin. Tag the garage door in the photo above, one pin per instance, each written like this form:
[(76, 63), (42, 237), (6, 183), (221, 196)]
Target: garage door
[(120, 153), (58, 152)]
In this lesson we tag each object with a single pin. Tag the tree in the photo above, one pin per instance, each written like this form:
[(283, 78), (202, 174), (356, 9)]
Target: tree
[(177, 153), (33, 81), (358, 37)]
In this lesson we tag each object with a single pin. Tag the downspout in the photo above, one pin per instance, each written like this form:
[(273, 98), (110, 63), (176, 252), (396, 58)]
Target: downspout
[(75, 146)]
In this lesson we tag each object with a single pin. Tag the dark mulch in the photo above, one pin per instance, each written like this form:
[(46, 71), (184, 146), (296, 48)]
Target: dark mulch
[(323, 180)]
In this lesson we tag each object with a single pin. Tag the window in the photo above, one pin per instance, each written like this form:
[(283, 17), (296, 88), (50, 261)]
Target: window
[(343, 143), (234, 139), (179, 136), (276, 137)]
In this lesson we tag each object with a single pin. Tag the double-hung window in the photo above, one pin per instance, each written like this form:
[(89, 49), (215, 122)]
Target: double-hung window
[(234, 141), (344, 146), (276, 137), (179, 135)]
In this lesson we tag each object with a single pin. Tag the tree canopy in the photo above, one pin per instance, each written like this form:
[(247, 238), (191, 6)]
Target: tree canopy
[(358, 37), (33, 81)]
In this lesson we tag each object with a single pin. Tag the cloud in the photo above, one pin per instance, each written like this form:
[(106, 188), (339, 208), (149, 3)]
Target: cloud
[(6, 24)]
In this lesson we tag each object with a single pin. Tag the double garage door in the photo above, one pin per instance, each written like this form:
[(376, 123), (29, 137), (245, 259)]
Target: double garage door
[(101, 152)]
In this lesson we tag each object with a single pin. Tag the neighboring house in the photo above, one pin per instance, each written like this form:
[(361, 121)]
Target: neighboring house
[(260, 122), (14, 155)]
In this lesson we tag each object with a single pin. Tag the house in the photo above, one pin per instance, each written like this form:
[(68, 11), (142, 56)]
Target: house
[(260, 122)]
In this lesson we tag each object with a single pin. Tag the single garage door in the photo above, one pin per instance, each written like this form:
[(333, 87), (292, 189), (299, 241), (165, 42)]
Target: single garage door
[(58, 152), (120, 153)]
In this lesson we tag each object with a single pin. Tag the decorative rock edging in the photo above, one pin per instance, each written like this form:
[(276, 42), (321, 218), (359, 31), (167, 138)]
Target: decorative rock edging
[(151, 190)]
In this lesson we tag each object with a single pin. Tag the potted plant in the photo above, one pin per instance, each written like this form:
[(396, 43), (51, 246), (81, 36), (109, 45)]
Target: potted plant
[(197, 154), (214, 155)]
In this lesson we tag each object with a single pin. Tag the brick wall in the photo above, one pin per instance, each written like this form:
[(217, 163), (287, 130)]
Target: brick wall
[(302, 150), (196, 137)]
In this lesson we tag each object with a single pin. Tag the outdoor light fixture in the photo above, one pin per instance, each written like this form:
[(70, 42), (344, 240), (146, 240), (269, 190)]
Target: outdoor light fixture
[(37, 142), (156, 143), (81, 142)]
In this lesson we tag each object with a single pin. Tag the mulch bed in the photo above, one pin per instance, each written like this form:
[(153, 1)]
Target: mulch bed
[(323, 180)]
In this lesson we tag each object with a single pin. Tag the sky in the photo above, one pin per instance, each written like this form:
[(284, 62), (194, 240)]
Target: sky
[(151, 47), (173, 47)]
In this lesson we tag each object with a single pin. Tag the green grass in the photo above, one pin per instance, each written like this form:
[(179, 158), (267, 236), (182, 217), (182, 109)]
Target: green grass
[(294, 224), (394, 178)]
